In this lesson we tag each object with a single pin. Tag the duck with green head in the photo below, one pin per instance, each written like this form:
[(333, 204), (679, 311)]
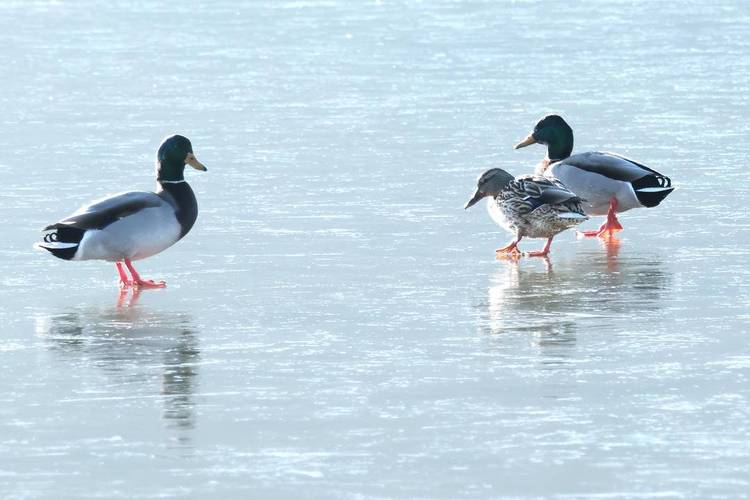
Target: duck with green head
[(609, 183), (130, 226)]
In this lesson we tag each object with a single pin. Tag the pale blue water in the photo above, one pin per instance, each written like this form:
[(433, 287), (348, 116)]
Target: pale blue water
[(335, 325)]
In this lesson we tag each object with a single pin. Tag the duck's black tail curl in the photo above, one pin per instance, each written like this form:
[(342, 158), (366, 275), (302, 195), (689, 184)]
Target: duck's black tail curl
[(63, 241), (652, 189)]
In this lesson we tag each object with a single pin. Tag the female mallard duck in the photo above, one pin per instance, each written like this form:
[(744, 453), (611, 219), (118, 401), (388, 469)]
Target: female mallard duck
[(134, 225), (608, 183), (528, 205)]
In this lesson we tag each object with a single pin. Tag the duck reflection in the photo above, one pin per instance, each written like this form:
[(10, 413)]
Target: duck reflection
[(520, 301), (551, 304), (632, 286), (134, 346)]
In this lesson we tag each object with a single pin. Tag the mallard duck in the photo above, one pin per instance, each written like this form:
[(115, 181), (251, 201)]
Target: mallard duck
[(609, 183), (529, 206), (134, 225)]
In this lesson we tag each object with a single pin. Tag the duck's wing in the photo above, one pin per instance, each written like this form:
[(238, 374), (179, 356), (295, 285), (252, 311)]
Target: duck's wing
[(537, 191), (105, 211), (614, 166), (649, 186)]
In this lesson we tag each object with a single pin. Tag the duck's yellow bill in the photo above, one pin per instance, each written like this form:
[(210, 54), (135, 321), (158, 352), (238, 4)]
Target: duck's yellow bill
[(191, 160), (526, 142)]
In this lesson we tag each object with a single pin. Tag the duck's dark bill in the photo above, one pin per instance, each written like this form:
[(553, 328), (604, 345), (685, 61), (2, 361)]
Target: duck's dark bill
[(526, 142), (193, 162), (477, 196)]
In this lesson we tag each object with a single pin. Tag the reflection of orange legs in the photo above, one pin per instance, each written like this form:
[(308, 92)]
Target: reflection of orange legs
[(137, 280), (612, 247), (610, 226), (510, 250), (133, 298), (543, 252)]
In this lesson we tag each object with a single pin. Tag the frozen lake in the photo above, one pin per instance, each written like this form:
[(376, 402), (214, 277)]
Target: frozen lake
[(336, 325)]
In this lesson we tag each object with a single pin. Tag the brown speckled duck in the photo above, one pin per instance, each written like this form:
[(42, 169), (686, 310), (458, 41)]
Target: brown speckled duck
[(529, 206)]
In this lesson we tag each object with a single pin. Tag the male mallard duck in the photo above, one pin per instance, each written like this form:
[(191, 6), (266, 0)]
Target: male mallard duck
[(528, 205), (134, 225), (609, 183)]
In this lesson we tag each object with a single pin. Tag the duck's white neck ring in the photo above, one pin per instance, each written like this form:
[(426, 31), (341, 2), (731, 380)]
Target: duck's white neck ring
[(173, 182)]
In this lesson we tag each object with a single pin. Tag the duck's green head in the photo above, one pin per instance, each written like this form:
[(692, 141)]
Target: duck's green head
[(173, 154), (490, 183), (553, 132)]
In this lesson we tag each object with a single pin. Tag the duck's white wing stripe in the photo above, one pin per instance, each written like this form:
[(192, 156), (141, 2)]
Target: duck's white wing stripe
[(571, 215), (654, 189)]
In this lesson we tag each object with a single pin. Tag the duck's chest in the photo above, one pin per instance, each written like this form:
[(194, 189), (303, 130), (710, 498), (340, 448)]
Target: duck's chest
[(505, 212), (182, 199)]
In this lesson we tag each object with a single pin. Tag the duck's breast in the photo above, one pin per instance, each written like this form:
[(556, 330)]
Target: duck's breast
[(499, 213), (137, 236)]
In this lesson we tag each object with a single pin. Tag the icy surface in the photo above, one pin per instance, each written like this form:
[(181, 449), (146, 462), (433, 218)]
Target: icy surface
[(335, 325)]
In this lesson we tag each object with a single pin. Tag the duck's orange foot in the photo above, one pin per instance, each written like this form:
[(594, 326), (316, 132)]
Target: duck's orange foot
[(511, 247), (141, 283), (608, 234), (510, 251), (544, 252), (137, 281), (514, 254), (538, 253), (606, 230), (614, 225), (610, 227)]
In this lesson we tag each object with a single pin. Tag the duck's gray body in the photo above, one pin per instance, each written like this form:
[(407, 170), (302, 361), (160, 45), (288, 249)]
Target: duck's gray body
[(536, 207), (133, 225), (598, 176)]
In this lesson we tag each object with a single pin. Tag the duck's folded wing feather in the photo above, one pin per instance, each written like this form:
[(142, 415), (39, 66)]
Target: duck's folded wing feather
[(544, 190), (610, 165), (104, 212)]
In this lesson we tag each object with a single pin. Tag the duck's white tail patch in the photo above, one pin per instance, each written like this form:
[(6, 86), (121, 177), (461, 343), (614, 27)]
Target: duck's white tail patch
[(65, 250)]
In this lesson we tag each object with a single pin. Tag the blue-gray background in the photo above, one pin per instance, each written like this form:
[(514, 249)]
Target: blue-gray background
[(336, 325)]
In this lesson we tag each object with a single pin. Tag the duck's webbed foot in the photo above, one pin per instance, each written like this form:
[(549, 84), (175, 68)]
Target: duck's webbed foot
[(610, 226), (140, 282), (544, 252), (509, 251), (604, 231), (149, 284)]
